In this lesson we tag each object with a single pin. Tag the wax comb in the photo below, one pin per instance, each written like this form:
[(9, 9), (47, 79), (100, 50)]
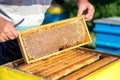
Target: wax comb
[(52, 38)]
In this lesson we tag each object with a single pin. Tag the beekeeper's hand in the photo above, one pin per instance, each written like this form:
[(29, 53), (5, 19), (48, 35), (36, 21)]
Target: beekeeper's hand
[(86, 8), (7, 31)]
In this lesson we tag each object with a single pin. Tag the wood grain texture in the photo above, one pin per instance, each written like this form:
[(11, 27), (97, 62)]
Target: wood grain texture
[(46, 60), (68, 62), (74, 67), (91, 68)]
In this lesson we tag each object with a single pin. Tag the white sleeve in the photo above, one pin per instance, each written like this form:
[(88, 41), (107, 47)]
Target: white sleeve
[(32, 14)]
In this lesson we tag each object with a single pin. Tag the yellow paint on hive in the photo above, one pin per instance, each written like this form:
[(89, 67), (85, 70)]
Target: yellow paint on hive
[(110, 72), (10, 74)]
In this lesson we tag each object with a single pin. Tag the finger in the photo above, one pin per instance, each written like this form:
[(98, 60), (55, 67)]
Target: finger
[(10, 35), (14, 32), (81, 10), (89, 14), (4, 36), (2, 39), (88, 18)]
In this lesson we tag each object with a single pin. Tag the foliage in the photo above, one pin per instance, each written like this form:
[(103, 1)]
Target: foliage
[(103, 8)]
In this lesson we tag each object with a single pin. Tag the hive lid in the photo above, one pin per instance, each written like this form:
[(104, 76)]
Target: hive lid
[(109, 20), (50, 39)]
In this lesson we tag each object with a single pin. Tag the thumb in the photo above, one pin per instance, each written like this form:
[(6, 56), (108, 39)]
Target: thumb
[(81, 10)]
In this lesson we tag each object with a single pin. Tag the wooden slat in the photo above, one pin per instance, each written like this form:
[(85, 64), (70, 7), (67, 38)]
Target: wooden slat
[(51, 64), (91, 68), (74, 67), (52, 58), (64, 64)]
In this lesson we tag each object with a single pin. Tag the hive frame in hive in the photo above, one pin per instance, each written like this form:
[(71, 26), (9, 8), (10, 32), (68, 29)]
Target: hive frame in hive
[(44, 27), (16, 64)]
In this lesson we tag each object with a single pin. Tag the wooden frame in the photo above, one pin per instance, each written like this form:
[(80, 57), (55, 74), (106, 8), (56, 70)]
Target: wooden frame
[(48, 26)]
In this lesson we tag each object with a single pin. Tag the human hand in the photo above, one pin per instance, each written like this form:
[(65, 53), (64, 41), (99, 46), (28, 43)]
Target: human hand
[(7, 31), (85, 8)]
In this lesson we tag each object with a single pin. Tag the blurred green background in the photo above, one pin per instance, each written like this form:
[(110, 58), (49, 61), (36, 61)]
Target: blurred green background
[(103, 9)]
